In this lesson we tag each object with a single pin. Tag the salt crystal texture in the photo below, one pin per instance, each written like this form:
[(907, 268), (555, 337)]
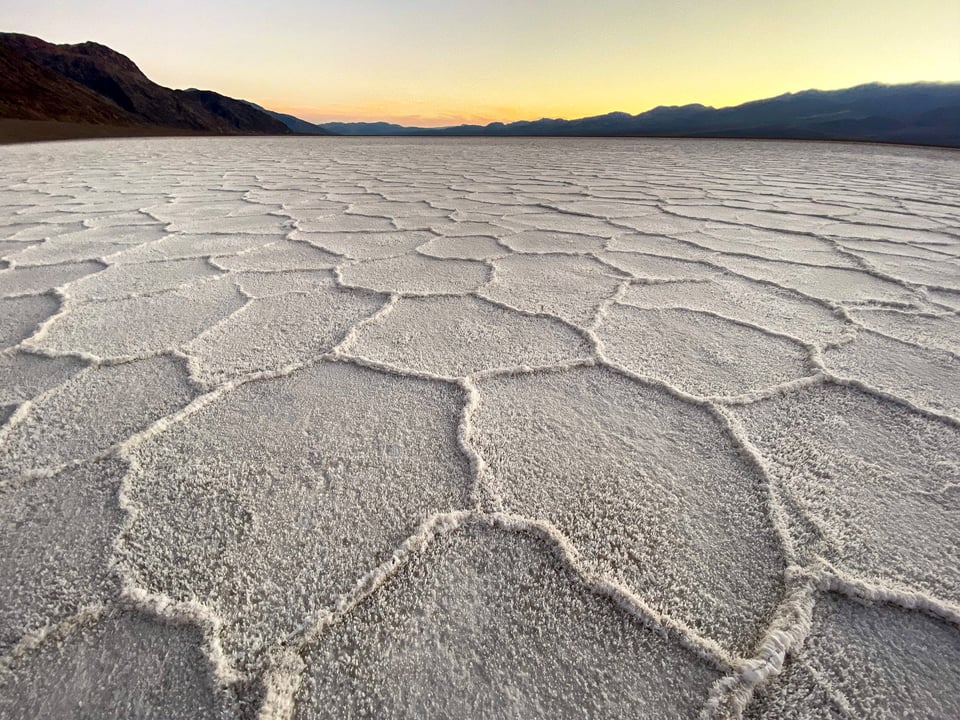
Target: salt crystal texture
[(334, 427)]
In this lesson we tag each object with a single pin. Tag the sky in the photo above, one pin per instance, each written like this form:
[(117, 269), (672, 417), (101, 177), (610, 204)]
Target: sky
[(445, 62)]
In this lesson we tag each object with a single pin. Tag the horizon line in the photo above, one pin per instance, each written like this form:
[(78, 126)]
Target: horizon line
[(411, 121)]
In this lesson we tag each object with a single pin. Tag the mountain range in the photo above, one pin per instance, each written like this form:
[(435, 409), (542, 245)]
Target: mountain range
[(84, 90), (919, 113)]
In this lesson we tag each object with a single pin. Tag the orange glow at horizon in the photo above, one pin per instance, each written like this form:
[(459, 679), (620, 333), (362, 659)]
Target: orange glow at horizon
[(392, 114)]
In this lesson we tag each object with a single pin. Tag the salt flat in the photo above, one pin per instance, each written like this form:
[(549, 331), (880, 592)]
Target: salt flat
[(315, 428)]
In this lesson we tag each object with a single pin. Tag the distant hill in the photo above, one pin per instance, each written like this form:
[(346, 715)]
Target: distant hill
[(378, 128), (91, 84), (295, 124), (922, 113)]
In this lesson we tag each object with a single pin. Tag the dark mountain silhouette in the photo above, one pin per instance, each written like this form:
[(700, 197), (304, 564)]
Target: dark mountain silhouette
[(238, 113), (90, 83), (301, 127), (922, 113), (30, 92)]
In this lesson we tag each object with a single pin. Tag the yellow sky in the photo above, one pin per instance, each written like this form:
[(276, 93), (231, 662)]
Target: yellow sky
[(441, 62)]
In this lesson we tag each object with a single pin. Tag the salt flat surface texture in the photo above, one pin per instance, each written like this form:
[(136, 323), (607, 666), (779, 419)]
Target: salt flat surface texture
[(324, 428)]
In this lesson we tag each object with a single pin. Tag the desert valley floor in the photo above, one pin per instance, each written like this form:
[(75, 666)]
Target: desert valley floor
[(303, 428)]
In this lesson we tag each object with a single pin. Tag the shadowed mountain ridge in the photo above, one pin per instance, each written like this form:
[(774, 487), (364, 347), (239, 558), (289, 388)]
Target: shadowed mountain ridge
[(91, 83)]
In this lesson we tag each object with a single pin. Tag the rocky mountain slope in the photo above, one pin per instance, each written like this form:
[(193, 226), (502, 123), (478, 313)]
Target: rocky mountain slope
[(90, 83)]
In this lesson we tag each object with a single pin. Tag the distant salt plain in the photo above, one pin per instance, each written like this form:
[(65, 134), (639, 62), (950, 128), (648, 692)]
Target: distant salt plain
[(303, 428)]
